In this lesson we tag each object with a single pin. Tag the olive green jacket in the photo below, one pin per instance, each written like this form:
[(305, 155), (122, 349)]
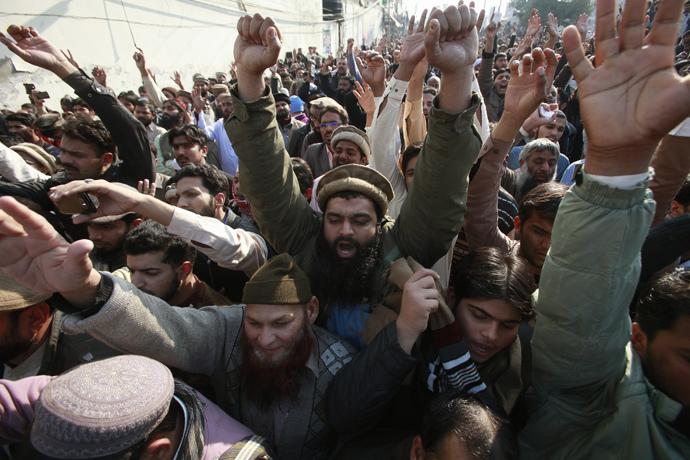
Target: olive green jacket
[(429, 219), (591, 397)]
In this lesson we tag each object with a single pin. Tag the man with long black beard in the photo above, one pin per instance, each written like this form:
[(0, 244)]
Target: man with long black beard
[(174, 116), (433, 211)]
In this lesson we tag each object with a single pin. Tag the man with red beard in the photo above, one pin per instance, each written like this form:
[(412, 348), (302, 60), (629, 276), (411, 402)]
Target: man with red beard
[(270, 366)]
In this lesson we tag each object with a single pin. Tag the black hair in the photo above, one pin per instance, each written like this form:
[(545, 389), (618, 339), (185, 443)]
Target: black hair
[(27, 119), (129, 96), (193, 134), (302, 171), (211, 178), (662, 301), (683, 195), (487, 273), (80, 102), (411, 151), (476, 420), (90, 132), (151, 236), (543, 199)]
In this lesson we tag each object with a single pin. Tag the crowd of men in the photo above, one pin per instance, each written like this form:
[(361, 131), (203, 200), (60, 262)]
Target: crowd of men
[(460, 244)]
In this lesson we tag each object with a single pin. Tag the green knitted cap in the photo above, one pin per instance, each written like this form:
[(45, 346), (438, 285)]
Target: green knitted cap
[(279, 282)]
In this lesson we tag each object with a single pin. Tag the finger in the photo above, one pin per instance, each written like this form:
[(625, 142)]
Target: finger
[(551, 64), (422, 20), (514, 70), (572, 46), (410, 26), (33, 32), (537, 58), (263, 32), (255, 29), (78, 256), (244, 30), (630, 35), (606, 43), (432, 38), (665, 26), (441, 23), (480, 20), (458, 18), (360, 65), (31, 223)]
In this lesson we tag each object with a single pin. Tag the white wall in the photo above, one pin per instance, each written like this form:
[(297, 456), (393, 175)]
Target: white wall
[(185, 35)]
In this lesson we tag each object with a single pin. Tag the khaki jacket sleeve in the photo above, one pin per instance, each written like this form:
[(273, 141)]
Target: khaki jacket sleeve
[(282, 213), (433, 212)]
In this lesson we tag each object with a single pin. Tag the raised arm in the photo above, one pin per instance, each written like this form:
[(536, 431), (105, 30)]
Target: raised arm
[(435, 203), (127, 132), (584, 326), (281, 211), (525, 92)]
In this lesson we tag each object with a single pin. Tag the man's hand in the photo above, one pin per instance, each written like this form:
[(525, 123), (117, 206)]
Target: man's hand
[(198, 102), (350, 45), (113, 199), (526, 91), (35, 255), (552, 26), (535, 120), (419, 301), (634, 96), (365, 97), (177, 79), (100, 76), (533, 24), (257, 48), (451, 44), (451, 40), (140, 61), (583, 26), (36, 50), (492, 29), (375, 72), (412, 50)]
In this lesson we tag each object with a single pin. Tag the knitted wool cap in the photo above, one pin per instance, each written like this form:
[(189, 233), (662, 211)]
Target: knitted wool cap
[(355, 178), (15, 296), (279, 282), (101, 408), (38, 154), (296, 104), (352, 134)]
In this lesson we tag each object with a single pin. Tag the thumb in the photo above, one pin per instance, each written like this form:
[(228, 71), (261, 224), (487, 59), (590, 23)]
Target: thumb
[(78, 262), (273, 43), (432, 37)]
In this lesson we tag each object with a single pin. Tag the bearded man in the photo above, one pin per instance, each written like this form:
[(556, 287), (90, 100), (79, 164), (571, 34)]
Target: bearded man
[(271, 339), (286, 122), (538, 165)]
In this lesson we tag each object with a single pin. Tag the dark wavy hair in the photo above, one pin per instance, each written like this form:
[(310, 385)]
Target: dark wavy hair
[(487, 273)]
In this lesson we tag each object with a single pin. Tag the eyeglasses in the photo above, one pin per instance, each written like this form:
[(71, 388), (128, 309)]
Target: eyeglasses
[(330, 124)]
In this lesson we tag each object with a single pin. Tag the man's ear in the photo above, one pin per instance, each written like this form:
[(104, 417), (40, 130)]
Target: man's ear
[(106, 159), (158, 449), (676, 209), (204, 151), (135, 223), (521, 162), (185, 269), (312, 310), (219, 200), (417, 452), (37, 316), (639, 340), (518, 226)]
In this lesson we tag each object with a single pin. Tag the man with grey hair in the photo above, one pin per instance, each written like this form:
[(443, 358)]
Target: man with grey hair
[(538, 162)]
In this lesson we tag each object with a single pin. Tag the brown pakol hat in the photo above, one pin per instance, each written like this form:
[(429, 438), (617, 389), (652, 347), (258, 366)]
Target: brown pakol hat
[(355, 178)]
